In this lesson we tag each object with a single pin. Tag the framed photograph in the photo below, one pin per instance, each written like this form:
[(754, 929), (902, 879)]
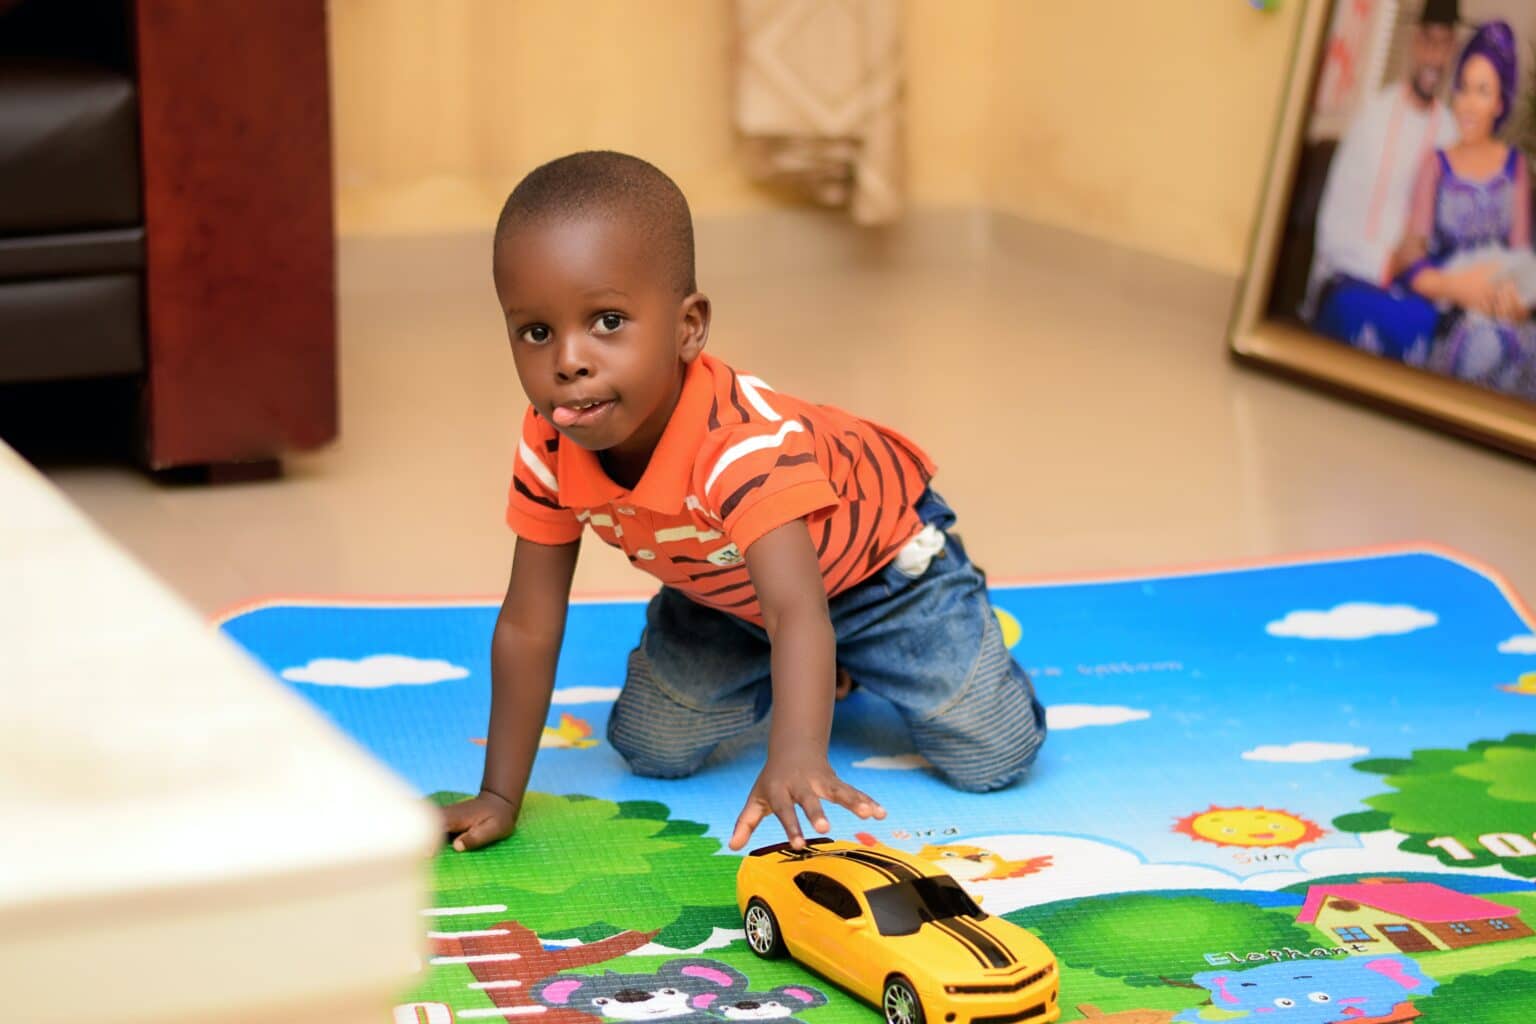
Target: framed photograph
[(1392, 259)]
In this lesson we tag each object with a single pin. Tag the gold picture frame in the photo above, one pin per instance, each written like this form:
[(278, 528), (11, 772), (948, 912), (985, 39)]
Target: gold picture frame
[(1274, 342)]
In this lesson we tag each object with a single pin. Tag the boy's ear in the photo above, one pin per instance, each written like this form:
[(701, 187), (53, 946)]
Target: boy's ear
[(693, 327)]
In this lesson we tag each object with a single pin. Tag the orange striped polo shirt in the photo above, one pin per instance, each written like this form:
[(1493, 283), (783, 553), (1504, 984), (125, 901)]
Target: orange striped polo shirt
[(736, 460)]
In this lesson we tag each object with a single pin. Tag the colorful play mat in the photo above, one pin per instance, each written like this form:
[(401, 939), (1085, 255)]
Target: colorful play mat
[(1302, 792)]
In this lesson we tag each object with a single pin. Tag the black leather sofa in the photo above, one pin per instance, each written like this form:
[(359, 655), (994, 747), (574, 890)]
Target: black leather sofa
[(167, 283), (71, 219)]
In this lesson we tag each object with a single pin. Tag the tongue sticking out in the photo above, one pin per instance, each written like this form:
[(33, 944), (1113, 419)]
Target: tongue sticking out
[(565, 416)]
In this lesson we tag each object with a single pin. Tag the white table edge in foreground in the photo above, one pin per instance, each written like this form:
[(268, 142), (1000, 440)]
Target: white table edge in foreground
[(180, 835)]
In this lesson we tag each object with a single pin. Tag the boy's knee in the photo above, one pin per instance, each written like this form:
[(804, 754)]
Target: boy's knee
[(665, 727), (648, 754), (650, 759), (660, 764), (988, 766), (980, 752), (659, 735)]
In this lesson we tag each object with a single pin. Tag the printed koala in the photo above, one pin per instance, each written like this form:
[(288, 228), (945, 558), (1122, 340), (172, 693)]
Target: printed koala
[(693, 991)]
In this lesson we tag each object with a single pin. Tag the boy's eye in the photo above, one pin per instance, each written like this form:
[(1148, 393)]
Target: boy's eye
[(538, 334), (608, 323)]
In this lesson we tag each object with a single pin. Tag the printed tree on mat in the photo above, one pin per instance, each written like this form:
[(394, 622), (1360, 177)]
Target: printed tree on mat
[(1470, 808), (1482, 999), (586, 869), (1150, 939), (509, 959)]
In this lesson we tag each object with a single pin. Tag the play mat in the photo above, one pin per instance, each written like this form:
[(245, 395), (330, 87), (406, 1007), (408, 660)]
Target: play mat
[(1320, 769)]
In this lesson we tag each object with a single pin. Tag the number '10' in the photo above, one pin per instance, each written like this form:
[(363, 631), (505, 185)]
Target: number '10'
[(1500, 844)]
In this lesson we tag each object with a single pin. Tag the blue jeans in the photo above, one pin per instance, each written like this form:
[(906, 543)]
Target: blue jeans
[(930, 645)]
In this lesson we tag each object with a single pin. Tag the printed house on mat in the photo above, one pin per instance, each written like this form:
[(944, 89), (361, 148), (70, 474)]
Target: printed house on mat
[(1412, 916)]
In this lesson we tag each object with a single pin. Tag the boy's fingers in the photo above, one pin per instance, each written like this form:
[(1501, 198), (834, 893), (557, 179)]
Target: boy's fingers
[(813, 812), (467, 838), (481, 833), (784, 809), (857, 801), (454, 818), (751, 817)]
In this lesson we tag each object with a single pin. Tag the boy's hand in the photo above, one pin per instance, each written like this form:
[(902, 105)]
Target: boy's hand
[(479, 821), (786, 788)]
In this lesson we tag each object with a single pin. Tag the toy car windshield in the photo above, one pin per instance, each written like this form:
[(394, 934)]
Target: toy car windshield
[(901, 908)]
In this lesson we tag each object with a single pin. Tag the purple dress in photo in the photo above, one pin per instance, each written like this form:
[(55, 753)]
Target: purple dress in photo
[(1467, 222)]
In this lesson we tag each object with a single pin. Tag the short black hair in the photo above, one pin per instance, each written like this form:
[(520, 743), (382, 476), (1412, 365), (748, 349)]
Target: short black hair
[(608, 184)]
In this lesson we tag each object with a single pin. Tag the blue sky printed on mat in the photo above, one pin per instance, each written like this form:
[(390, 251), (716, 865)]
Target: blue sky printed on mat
[(1245, 688)]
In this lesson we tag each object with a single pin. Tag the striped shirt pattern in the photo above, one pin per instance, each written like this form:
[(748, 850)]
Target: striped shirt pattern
[(736, 461)]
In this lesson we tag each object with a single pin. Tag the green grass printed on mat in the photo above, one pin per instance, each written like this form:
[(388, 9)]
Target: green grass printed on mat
[(639, 870), (1082, 986)]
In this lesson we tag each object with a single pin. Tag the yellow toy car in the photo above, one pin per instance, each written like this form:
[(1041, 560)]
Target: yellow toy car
[(896, 932)]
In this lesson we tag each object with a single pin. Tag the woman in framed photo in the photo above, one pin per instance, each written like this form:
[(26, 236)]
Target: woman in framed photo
[(1468, 243)]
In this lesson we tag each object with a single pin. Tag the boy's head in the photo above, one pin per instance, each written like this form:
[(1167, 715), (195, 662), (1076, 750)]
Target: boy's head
[(593, 263)]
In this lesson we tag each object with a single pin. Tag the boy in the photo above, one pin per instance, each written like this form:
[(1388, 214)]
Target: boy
[(791, 538)]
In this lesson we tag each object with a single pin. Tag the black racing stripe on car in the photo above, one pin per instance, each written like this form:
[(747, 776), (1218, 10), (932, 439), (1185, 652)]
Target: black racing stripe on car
[(984, 944), (786, 845), (872, 863), (900, 869), (970, 947), (995, 951)]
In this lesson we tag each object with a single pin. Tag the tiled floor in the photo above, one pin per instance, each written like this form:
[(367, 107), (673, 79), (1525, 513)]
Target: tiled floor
[(1084, 421)]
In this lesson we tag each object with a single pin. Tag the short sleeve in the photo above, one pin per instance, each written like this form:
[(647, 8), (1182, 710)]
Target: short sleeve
[(533, 503), (757, 477)]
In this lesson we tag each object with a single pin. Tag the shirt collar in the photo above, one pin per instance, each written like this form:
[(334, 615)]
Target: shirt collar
[(585, 484)]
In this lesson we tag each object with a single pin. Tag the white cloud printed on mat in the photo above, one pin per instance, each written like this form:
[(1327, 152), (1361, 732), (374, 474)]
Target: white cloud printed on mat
[(894, 762), (1303, 751), (1354, 620), (1520, 643), (375, 671), (1076, 716), (1086, 867), (586, 695)]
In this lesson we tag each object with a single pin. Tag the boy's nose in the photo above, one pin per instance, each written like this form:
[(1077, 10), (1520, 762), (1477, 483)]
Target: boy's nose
[(571, 361)]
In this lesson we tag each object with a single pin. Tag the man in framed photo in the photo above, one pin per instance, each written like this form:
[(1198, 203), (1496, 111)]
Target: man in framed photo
[(1364, 207)]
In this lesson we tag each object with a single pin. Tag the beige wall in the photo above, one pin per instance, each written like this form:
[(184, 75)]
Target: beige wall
[(949, 73), (440, 107), (1144, 123)]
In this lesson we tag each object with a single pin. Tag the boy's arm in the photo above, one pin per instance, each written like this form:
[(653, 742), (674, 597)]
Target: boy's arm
[(787, 577), (524, 648)]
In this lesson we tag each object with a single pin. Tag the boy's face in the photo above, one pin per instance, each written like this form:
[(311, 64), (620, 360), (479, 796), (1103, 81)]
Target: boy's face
[(600, 334)]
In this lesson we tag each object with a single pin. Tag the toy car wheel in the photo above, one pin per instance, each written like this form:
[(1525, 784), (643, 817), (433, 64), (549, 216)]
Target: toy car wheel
[(900, 1003), (762, 930)]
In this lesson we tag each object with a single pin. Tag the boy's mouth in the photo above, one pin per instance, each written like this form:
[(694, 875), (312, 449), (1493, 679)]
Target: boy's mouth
[(581, 413)]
